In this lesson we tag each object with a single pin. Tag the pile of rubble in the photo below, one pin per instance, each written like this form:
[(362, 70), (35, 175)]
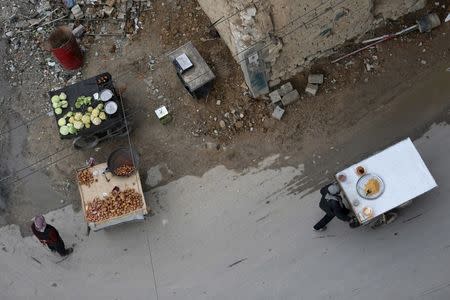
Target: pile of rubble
[(286, 94), (27, 25)]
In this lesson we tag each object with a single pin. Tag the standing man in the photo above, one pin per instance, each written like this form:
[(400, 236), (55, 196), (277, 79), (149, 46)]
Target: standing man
[(48, 235), (331, 203)]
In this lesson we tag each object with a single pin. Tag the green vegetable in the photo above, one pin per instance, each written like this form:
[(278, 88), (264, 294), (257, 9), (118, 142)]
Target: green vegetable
[(95, 112), (55, 99), (71, 120), (62, 122), (90, 109), (58, 111), (83, 100), (102, 115), (62, 96), (56, 105), (96, 121), (78, 116), (64, 104), (100, 106), (78, 125), (86, 119), (72, 129), (69, 114), (64, 130), (87, 125)]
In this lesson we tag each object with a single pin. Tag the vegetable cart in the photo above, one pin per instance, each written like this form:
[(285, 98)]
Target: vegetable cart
[(384, 181), (89, 111), (105, 186)]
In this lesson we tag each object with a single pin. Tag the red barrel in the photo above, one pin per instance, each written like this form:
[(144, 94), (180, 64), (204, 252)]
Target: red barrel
[(66, 49)]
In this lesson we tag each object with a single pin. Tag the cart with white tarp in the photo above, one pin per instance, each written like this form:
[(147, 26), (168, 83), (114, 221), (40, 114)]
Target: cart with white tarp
[(384, 181)]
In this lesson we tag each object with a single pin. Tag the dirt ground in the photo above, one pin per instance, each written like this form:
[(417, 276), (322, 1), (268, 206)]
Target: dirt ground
[(313, 129)]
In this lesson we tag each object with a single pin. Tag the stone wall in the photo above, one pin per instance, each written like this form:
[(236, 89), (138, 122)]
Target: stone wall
[(289, 34)]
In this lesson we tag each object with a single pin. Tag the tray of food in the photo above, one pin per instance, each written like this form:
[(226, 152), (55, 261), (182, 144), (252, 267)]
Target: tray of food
[(107, 200), (86, 107)]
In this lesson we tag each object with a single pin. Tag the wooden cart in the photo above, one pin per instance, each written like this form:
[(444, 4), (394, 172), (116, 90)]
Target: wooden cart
[(103, 184)]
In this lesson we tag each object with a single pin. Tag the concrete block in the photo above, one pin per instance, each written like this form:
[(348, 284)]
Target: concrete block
[(315, 78), (290, 97), (79, 31), (285, 89), (312, 89), (278, 113), (275, 96), (77, 12)]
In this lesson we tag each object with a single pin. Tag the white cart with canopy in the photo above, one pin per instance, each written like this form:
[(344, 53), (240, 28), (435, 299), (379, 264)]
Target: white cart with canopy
[(385, 181)]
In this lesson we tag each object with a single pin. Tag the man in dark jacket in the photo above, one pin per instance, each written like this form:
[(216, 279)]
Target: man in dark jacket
[(331, 204), (49, 236)]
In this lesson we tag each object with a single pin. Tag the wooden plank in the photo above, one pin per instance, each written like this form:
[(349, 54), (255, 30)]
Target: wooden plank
[(102, 187)]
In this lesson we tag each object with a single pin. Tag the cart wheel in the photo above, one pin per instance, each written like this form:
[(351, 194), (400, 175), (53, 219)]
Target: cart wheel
[(82, 143)]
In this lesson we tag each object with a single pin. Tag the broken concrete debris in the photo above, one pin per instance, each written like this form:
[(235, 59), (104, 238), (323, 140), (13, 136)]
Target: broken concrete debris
[(77, 12), (278, 113), (285, 89), (78, 31), (315, 78), (312, 89), (290, 97), (275, 96)]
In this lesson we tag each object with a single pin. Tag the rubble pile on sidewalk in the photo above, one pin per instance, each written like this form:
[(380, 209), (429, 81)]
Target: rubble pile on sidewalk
[(26, 26), (286, 94)]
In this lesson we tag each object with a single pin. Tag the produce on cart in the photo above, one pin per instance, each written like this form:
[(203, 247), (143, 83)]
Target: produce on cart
[(385, 181), (79, 109), (108, 201)]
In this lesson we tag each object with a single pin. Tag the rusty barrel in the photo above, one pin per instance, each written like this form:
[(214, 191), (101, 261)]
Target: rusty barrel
[(65, 48)]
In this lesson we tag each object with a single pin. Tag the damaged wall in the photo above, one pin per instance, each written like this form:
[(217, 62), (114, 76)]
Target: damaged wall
[(289, 34)]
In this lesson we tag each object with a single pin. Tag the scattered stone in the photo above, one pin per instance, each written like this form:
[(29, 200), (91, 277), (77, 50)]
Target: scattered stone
[(108, 10), (278, 113), (290, 97), (423, 62), (239, 124), (110, 2), (369, 67), (241, 116), (9, 34), (312, 89), (315, 78), (77, 12), (275, 96), (222, 123), (285, 88), (218, 102), (78, 31)]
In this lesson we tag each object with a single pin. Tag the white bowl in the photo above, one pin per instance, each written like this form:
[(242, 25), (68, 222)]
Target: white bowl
[(111, 107), (106, 95)]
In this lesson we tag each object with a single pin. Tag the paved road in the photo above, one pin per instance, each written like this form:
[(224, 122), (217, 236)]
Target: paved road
[(243, 236)]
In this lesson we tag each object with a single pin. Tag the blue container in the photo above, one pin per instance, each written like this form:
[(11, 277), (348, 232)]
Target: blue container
[(69, 3)]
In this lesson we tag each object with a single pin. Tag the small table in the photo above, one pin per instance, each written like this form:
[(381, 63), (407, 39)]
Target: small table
[(403, 172), (102, 186), (88, 87)]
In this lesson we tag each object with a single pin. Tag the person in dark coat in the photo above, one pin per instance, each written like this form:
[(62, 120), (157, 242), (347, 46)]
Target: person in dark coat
[(49, 236), (331, 203)]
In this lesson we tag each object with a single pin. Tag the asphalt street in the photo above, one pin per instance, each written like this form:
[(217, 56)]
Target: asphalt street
[(243, 236)]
